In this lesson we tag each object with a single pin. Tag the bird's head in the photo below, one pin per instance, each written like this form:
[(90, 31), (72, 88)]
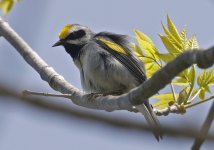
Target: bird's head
[(73, 37), (74, 34)]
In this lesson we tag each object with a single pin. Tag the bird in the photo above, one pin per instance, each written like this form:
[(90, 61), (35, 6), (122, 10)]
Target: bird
[(107, 65)]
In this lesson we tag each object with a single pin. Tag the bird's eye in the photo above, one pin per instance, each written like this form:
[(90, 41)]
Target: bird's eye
[(75, 35)]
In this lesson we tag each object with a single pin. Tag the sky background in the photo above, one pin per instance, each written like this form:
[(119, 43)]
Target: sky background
[(39, 22)]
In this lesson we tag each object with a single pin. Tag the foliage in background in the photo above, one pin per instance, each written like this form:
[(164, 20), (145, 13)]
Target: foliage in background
[(175, 43), (6, 5)]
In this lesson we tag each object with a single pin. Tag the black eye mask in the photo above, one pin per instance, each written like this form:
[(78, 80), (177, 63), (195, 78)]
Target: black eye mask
[(75, 35)]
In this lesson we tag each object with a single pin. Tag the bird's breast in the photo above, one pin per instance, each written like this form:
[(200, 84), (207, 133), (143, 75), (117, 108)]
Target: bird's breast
[(101, 72)]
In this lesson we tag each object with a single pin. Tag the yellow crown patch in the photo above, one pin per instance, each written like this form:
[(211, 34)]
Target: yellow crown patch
[(65, 31)]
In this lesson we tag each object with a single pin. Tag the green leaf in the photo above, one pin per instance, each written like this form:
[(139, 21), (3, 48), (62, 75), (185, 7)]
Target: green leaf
[(202, 78), (151, 68), (183, 96), (202, 94), (184, 75), (138, 51), (180, 81), (210, 76), (204, 81), (142, 57), (166, 57), (207, 89), (165, 96), (172, 38), (164, 100), (195, 42), (191, 79), (173, 30), (176, 42), (172, 48), (192, 43), (192, 75), (196, 92), (6, 6), (146, 45), (143, 37), (146, 60), (183, 35)]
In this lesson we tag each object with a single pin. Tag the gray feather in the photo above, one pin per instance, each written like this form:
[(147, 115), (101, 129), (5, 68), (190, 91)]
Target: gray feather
[(152, 120)]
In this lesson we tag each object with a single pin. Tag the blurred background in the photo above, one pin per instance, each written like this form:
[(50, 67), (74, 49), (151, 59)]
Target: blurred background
[(23, 126)]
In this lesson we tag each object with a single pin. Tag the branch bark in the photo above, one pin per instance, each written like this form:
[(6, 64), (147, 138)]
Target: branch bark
[(204, 129), (203, 58), (187, 131)]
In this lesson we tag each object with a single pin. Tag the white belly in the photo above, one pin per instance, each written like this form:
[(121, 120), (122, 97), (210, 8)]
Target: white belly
[(103, 74)]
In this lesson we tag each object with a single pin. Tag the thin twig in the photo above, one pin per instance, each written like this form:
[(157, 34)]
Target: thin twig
[(173, 92), (191, 86), (175, 108), (204, 129), (196, 94), (198, 102), (27, 93), (159, 64)]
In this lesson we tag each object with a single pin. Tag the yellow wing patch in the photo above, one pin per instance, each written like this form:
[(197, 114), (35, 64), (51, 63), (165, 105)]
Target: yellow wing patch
[(113, 46), (65, 31)]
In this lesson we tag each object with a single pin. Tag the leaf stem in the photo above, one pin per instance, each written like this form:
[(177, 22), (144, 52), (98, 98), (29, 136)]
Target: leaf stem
[(173, 92), (192, 84), (194, 96), (160, 65), (199, 102)]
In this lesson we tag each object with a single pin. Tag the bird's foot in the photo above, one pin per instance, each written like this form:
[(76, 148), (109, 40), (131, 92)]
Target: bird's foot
[(116, 92), (95, 95)]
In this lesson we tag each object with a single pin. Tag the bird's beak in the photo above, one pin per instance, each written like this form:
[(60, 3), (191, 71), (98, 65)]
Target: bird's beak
[(58, 43)]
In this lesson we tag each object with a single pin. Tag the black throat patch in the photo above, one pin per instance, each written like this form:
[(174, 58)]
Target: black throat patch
[(73, 50)]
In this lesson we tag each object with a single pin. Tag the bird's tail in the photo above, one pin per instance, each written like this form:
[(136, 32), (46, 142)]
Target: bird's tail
[(152, 120)]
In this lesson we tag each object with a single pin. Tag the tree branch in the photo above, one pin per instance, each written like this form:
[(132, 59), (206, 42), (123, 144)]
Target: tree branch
[(175, 108), (187, 131), (204, 130), (159, 80)]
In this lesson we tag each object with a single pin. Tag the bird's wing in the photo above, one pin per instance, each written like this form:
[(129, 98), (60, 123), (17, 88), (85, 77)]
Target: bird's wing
[(124, 57), (134, 66)]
